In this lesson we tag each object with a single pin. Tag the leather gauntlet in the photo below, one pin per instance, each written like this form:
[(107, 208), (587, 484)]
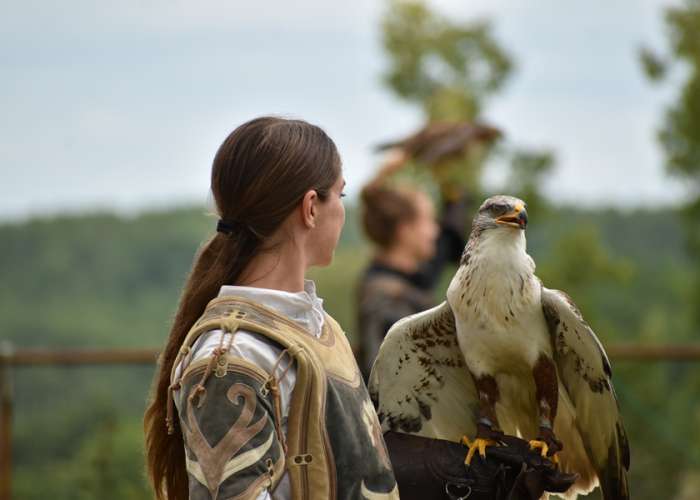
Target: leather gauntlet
[(434, 469)]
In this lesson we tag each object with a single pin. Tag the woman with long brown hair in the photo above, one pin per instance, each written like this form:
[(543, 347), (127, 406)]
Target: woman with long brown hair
[(257, 389)]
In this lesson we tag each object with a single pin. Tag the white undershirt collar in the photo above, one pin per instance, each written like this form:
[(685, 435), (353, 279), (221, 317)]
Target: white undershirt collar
[(305, 307)]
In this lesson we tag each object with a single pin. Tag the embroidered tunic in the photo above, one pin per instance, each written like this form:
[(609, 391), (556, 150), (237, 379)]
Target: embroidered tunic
[(265, 404)]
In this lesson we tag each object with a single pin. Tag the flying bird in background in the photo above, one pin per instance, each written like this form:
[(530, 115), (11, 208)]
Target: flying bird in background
[(440, 141), (504, 354), (449, 149)]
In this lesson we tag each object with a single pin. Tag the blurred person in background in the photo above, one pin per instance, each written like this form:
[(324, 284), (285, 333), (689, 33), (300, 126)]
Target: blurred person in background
[(412, 247)]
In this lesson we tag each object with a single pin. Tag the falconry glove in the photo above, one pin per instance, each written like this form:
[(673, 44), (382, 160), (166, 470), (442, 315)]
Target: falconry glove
[(434, 469)]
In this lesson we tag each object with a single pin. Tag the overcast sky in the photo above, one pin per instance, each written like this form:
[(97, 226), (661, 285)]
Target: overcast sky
[(123, 104)]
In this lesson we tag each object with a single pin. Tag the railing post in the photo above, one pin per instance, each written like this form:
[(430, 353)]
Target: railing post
[(5, 420)]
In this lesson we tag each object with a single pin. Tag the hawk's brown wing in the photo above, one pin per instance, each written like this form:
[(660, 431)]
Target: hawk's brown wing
[(585, 372), (419, 382)]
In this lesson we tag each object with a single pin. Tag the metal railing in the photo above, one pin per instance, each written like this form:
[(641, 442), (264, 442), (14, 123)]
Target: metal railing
[(11, 358)]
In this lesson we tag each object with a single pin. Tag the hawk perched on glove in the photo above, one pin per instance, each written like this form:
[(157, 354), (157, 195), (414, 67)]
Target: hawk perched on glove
[(504, 354)]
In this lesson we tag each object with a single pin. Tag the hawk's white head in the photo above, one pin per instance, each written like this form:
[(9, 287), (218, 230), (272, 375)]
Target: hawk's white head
[(498, 230), (496, 275), (501, 212)]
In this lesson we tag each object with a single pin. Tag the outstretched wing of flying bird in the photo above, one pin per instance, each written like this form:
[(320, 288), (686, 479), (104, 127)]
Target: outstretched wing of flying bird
[(439, 141), (436, 145)]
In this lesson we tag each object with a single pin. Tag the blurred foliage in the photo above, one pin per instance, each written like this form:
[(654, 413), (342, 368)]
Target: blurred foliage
[(680, 131), (654, 66), (106, 464), (79, 429), (528, 171), (580, 263), (446, 67)]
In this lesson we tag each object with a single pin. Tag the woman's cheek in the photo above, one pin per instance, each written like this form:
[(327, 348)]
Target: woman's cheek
[(342, 216), (339, 216)]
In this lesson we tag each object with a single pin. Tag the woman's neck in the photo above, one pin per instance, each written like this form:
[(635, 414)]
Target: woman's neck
[(398, 258), (279, 269)]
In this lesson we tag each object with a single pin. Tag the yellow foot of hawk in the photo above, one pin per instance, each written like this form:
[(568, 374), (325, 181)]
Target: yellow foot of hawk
[(544, 449), (478, 444)]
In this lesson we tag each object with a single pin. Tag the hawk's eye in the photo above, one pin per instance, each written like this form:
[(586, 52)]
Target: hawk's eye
[(499, 207)]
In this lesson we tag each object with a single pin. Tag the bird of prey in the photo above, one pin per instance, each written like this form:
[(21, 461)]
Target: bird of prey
[(450, 149), (504, 354), (440, 141)]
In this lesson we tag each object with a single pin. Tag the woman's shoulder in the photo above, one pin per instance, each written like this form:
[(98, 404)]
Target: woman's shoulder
[(252, 347)]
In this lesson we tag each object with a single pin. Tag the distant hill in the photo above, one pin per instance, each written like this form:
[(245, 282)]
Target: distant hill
[(103, 280)]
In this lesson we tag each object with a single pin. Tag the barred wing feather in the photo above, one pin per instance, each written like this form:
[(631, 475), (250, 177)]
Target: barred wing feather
[(420, 383), (585, 372)]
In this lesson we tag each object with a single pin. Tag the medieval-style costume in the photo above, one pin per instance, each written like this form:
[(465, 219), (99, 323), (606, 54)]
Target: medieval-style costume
[(271, 402)]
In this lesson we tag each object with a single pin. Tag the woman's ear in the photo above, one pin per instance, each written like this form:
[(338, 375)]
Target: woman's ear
[(308, 209)]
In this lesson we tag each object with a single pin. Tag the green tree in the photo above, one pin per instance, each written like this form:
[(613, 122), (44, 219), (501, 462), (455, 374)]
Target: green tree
[(528, 170), (450, 68), (679, 133), (446, 67)]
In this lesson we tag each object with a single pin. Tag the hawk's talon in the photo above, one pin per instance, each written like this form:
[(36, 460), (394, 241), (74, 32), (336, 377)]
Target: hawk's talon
[(478, 444), (535, 444)]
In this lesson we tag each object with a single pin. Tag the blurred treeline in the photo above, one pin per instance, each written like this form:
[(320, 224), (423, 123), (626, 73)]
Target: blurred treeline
[(105, 281)]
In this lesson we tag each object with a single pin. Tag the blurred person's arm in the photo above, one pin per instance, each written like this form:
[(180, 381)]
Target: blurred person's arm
[(454, 227)]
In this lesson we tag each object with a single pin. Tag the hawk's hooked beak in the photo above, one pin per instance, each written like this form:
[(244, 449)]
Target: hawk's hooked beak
[(516, 218)]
